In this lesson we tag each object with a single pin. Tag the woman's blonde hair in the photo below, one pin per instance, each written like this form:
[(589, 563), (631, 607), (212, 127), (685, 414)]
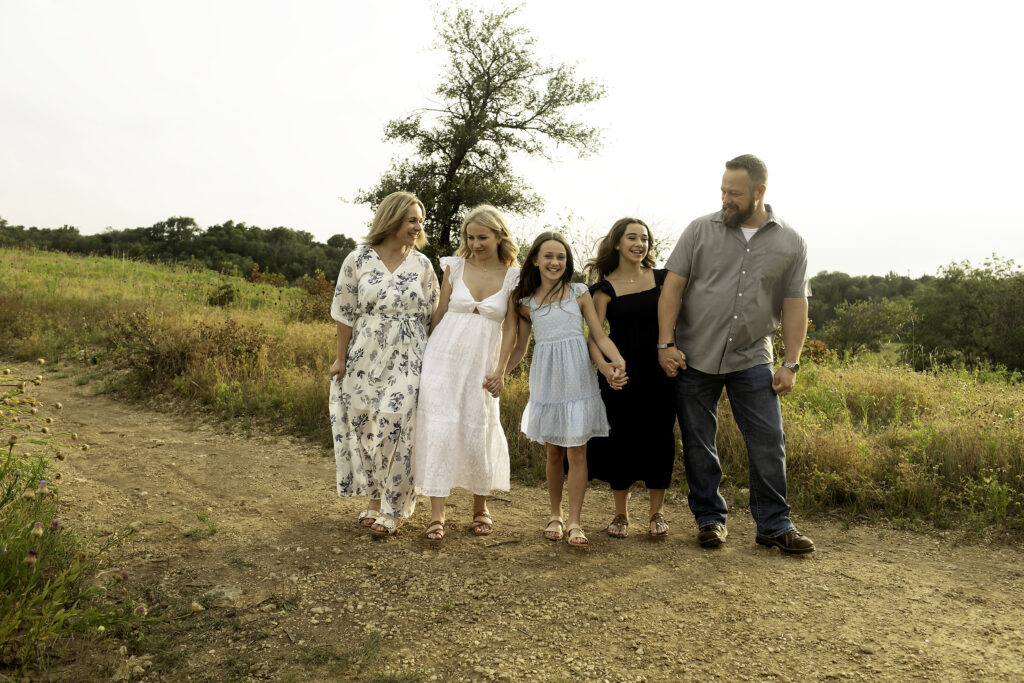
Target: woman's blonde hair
[(390, 215), (489, 217)]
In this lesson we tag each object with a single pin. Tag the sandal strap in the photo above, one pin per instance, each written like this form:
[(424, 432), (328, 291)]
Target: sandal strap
[(621, 520), (658, 518), (483, 518), (367, 513), (387, 522)]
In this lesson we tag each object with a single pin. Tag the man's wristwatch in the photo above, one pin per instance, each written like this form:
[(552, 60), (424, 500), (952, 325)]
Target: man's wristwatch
[(666, 345), (795, 367)]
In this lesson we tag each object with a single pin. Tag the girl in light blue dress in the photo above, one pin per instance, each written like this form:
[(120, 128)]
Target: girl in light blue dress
[(565, 409)]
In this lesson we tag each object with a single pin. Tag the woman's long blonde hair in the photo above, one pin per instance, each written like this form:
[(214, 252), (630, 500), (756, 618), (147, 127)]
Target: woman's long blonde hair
[(390, 215), (490, 218)]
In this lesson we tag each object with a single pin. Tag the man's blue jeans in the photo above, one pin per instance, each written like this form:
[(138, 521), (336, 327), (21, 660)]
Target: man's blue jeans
[(759, 417)]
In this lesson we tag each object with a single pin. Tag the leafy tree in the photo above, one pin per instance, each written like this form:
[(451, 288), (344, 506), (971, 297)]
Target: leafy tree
[(497, 98), (972, 314), (865, 325)]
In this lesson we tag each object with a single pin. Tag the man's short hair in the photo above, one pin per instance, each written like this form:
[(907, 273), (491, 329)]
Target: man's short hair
[(754, 167)]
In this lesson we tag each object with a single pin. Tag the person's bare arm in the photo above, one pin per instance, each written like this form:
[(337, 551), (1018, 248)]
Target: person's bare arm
[(794, 331), (672, 360)]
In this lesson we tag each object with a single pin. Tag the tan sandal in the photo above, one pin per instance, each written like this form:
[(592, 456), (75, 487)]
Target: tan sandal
[(482, 524), (576, 536), (553, 533), (658, 520), (435, 532), (620, 521)]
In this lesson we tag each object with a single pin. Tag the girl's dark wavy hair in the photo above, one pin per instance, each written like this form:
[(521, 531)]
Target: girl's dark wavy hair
[(529, 275), (607, 258)]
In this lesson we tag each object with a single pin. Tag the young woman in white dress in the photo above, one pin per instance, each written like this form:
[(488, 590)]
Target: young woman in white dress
[(459, 438)]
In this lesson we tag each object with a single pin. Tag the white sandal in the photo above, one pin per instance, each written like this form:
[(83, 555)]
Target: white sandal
[(367, 514), (389, 524)]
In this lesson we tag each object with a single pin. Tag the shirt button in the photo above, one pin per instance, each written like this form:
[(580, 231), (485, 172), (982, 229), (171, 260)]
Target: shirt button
[(748, 251), (734, 317), (741, 293), (744, 272), (730, 338)]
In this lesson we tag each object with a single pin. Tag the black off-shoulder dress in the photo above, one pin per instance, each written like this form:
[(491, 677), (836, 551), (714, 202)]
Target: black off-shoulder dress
[(641, 445)]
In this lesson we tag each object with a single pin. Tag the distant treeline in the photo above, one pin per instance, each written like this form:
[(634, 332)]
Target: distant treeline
[(229, 246), (963, 316)]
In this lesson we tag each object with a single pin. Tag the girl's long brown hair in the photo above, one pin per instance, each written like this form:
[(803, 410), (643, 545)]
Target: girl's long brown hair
[(607, 258), (529, 275)]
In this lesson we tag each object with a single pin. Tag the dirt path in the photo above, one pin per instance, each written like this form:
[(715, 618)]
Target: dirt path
[(253, 525)]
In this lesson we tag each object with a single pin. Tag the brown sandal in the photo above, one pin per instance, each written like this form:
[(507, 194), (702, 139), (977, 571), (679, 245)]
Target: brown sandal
[(657, 519), (482, 524), (619, 521), (435, 529)]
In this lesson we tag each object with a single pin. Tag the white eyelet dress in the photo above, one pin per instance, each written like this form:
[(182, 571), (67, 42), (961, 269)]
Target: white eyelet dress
[(459, 439), (565, 406)]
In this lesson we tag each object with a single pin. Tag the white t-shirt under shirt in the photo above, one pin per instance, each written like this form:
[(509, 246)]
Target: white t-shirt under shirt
[(748, 232)]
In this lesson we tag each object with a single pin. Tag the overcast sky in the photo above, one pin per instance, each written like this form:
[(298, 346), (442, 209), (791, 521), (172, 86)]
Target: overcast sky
[(891, 130)]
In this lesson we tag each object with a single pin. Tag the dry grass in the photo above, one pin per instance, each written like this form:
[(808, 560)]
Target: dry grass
[(866, 439)]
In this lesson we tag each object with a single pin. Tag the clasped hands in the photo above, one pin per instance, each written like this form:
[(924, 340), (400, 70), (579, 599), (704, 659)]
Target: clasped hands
[(672, 360), (614, 373)]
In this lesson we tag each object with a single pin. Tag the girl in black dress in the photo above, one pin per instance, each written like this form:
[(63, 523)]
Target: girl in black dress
[(641, 412)]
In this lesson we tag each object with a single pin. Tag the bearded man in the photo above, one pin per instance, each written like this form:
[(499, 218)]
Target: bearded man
[(734, 277)]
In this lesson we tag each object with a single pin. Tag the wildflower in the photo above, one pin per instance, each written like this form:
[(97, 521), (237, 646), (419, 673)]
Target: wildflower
[(56, 525), (41, 361), (7, 371), (101, 629), (58, 406), (29, 494), (140, 611), (44, 486), (35, 411), (32, 557), (60, 455), (13, 439), (21, 387), (45, 430), (37, 529), (74, 437), (39, 378), (85, 447), (120, 575), (49, 420)]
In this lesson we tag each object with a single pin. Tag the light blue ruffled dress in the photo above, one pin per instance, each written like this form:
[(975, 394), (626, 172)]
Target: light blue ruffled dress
[(565, 406)]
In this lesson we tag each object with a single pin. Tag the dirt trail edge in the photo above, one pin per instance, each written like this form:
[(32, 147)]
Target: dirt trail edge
[(293, 589)]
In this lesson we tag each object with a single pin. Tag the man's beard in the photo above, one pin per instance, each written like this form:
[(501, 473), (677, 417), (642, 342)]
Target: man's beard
[(736, 218)]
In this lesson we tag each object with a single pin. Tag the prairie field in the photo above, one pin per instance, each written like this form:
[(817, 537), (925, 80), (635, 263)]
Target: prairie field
[(167, 513), (863, 439)]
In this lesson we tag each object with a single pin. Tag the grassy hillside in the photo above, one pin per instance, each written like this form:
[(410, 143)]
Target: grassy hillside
[(938, 447)]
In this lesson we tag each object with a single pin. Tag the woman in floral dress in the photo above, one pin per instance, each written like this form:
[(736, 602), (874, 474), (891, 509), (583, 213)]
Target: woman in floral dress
[(383, 303)]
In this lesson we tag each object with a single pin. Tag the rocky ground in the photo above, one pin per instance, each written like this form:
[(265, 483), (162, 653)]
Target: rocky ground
[(255, 570)]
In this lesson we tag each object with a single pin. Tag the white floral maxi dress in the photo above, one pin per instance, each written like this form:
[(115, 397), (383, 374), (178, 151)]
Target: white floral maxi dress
[(373, 408), (459, 438)]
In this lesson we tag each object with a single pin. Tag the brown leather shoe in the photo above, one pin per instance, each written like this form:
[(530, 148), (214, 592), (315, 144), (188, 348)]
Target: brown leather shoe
[(712, 535), (792, 542)]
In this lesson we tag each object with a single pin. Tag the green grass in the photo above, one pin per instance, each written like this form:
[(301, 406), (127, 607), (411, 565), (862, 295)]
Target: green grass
[(869, 438)]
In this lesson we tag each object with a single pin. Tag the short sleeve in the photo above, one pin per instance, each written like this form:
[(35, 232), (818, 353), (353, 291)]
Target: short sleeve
[(511, 280), (453, 263), (681, 258), (603, 286), (798, 286), (579, 289), (345, 305)]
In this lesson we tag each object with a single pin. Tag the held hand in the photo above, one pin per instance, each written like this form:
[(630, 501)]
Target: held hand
[(616, 379), (338, 368), (784, 381), (672, 360), (494, 383)]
